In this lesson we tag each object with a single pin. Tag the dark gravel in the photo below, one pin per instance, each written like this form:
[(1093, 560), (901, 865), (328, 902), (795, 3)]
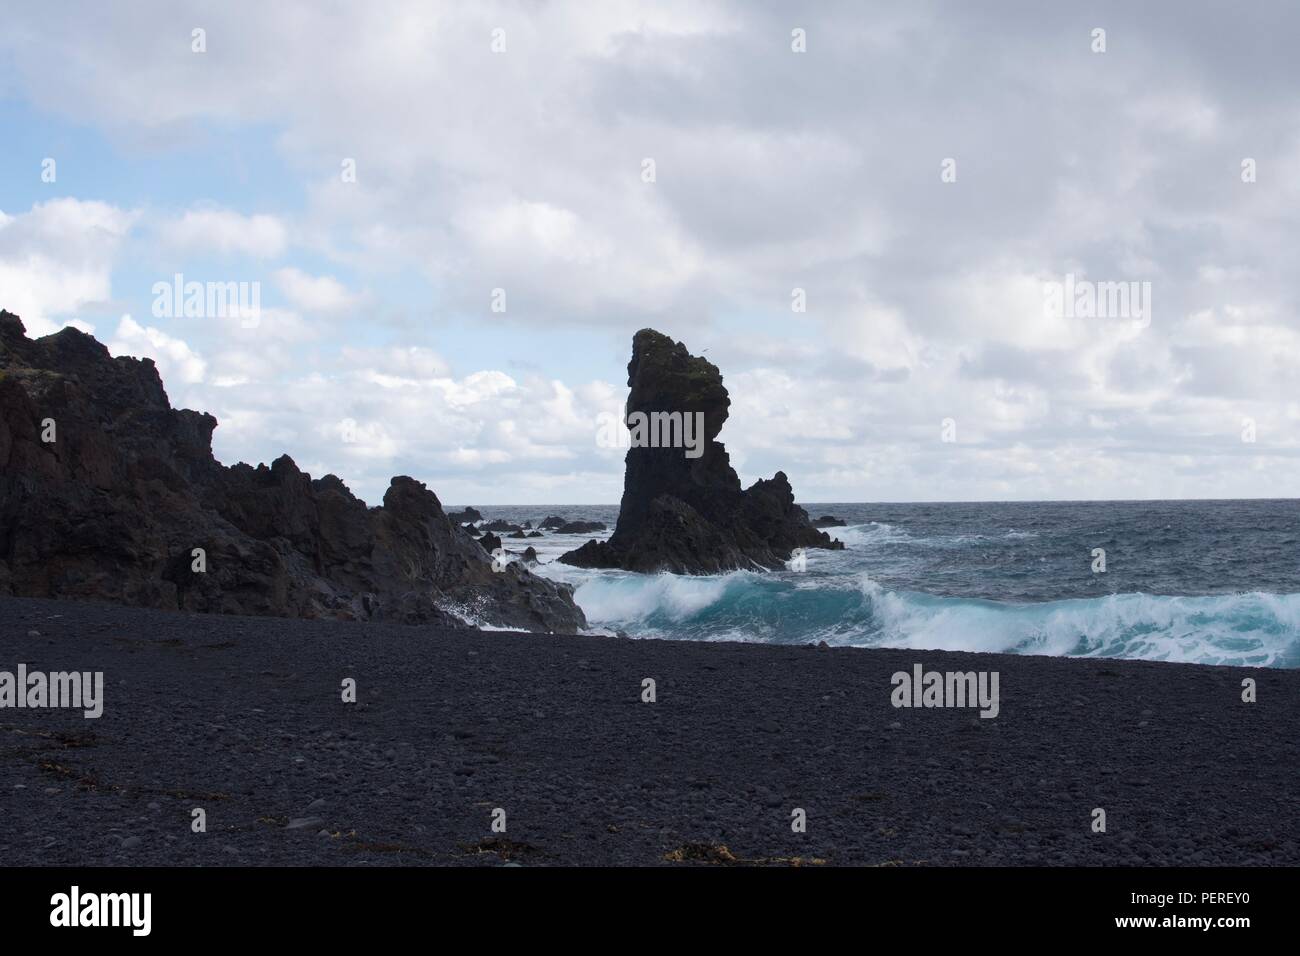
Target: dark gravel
[(243, 717)]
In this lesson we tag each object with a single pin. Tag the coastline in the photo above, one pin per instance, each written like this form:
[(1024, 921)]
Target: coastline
[(242, 716)]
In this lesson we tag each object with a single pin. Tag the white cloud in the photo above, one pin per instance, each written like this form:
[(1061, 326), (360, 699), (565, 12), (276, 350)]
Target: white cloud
[(315, 293), (227, 232), (177, 362), (57, 258)]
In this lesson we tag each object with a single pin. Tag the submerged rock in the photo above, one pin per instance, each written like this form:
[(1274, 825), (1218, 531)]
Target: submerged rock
[(687, 513), (828, 521), (108, 493)]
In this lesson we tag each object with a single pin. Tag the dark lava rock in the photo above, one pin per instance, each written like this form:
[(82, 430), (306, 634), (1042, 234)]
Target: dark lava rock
[(828, 521), (553, 522), (530, 555), (501, 527), (535, 534), (690, 515), (580, 527), (490, 542), (516, 534), (114, 507), (467, 516)]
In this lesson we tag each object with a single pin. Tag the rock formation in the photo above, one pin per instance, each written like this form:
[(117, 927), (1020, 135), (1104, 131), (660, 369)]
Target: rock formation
[(108, 493), (580, 527), (688, 514)]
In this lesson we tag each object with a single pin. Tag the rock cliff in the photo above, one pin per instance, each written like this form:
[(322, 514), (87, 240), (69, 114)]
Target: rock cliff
[(108, 493)]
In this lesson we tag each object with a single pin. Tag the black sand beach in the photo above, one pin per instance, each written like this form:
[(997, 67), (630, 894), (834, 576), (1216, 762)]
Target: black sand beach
[(243, 717)]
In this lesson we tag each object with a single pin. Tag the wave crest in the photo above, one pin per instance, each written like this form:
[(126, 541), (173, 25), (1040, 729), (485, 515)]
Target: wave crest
[(1256, 629)]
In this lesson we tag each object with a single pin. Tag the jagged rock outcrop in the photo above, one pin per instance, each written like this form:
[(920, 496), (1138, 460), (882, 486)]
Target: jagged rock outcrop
[(689, 514), (106, 492), (465, 517)]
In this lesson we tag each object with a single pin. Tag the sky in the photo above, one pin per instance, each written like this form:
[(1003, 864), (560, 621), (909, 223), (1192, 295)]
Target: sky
[(456, 216)]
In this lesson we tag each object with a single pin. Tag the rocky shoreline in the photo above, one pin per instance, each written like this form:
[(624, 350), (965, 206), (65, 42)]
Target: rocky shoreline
[(109, 493), (243, 717)]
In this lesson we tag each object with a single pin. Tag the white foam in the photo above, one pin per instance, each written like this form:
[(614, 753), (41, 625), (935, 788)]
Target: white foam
[(1254, 628), (630, 597)]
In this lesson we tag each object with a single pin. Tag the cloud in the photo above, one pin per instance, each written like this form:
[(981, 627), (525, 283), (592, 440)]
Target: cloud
[(177, 362), (226, 232), (773, 170), (315, 293), (58, 258)]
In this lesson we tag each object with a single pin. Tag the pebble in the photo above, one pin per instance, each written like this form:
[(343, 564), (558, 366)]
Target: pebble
[(299, 822), (130, 843)]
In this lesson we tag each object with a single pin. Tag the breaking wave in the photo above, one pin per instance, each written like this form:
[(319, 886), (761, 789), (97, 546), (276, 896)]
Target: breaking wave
[(1254, 629)]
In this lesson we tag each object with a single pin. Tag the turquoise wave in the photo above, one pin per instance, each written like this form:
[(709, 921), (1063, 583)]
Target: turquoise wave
[(1253, 629)]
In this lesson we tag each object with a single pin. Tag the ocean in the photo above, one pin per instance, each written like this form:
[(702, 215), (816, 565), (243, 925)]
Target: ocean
[(1206, 582)]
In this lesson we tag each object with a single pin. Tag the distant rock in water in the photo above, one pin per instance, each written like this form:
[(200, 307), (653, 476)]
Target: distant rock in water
[(580, 527), (683, 508), (108, 493), (552, 522), (468, 516), (828, 521), (502, 527)]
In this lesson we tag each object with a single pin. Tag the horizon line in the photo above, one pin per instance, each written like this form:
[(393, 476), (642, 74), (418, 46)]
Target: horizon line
[(918, 501)]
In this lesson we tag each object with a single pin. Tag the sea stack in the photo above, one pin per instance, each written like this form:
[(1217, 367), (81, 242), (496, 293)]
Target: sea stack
[(683, 508), (108, 493)]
